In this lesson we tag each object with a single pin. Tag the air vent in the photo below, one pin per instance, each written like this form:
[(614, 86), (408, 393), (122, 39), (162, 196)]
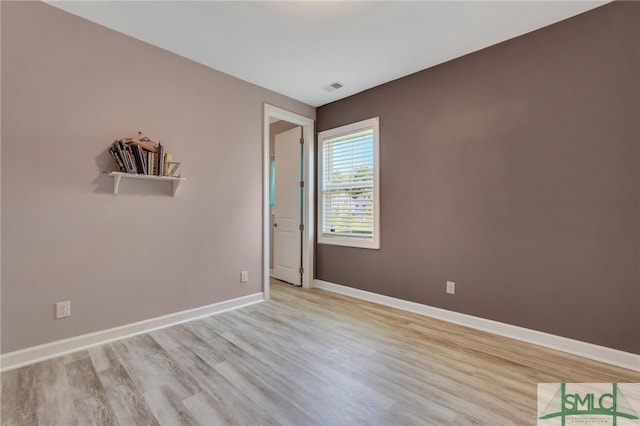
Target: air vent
[(333, 86)]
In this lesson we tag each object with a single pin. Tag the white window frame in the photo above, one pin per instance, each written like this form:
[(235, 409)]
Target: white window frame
[(372, 242)]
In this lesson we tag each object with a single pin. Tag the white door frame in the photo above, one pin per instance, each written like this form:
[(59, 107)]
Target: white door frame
[(308, 235)]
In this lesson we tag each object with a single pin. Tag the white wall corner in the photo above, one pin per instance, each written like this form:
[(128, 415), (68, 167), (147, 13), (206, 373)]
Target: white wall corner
[(587, 350)]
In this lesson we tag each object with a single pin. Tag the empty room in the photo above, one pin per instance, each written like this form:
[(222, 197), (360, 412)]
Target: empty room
[(320, 213)]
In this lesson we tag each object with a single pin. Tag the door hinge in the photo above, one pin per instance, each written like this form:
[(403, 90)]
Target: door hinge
[(301, 184), (301, 270), (302, 227), (301, 141)]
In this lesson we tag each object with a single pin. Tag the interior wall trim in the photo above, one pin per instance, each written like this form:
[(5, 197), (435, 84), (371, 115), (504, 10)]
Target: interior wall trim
[(576, 347), (34, 354)]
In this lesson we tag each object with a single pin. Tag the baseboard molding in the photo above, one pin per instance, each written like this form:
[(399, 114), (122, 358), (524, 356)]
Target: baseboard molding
[(34, 354), (575, 347)]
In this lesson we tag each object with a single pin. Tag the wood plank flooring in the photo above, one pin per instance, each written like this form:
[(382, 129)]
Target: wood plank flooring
[(307, 357)]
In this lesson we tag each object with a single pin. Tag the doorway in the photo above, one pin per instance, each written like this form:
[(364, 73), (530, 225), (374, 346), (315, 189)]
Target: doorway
[(306, 235), (286, 202)]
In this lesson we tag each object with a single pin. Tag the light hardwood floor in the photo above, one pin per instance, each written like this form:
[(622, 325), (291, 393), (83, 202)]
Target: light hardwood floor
[(307, 357)]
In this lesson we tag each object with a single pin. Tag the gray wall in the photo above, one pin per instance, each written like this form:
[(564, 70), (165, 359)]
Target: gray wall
[(71, 87), (515, 172)]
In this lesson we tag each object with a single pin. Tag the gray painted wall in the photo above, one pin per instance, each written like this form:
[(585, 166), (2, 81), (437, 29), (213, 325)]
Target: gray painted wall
[(515, 172), (71, 87)]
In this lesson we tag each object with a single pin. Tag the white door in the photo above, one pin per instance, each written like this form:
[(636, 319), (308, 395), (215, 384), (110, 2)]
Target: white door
[(287, 236)]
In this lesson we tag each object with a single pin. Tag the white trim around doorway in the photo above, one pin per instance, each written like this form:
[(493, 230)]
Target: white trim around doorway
[(308, 235)]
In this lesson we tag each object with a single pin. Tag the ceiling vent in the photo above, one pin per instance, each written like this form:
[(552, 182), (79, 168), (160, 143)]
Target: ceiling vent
[(333, 86)]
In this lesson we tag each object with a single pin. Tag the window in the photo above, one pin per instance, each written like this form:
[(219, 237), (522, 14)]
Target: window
[(348, 176)]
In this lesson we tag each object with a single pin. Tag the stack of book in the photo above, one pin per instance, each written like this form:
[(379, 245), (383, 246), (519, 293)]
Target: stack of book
[(142, 157)]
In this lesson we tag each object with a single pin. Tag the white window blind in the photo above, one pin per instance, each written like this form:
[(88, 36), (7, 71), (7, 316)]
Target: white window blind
[(348, 185)]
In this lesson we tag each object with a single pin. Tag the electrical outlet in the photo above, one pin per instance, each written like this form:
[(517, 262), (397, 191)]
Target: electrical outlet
[(63, 309), (244, 276), (451, 287)]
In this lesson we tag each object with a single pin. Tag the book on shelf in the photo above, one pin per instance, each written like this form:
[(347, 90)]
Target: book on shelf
[(134, 152), (143, 157), (150, 162), (121, 156), (119, 162), (132, 160), (159, 161)]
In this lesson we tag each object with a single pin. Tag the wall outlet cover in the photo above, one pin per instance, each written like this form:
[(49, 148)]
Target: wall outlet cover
[(451, 287), (63, 309)]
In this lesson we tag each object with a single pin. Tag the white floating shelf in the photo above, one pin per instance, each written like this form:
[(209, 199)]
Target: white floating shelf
[(117, 176)]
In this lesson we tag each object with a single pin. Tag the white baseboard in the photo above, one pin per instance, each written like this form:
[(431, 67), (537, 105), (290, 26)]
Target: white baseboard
[(46, 351), (575, 347)]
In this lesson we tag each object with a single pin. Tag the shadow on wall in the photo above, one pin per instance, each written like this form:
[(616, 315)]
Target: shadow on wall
[(104, 165)]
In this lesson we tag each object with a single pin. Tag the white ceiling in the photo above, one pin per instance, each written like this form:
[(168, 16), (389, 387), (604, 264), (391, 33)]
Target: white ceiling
[(298, 48)]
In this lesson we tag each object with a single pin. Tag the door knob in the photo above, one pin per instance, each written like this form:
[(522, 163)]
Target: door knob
[(275, 225)]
